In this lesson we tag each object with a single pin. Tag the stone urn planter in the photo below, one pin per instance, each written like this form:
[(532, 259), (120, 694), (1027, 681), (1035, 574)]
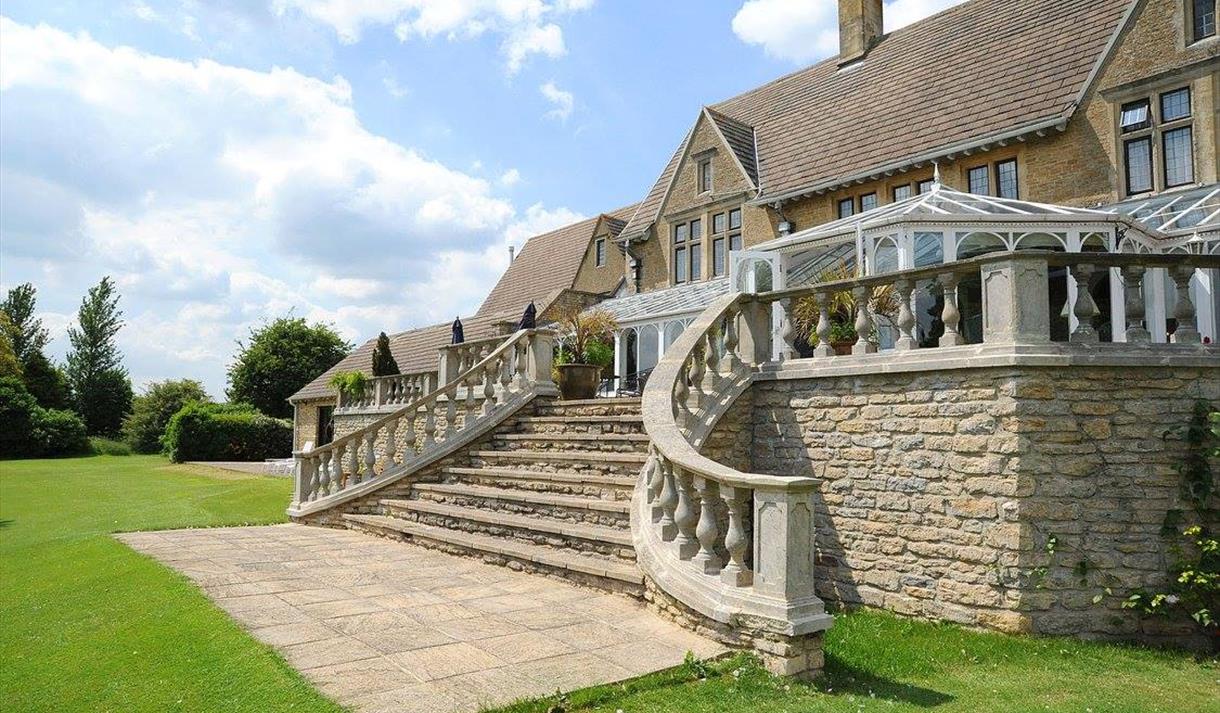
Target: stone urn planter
[(842, 348), (579, 381)]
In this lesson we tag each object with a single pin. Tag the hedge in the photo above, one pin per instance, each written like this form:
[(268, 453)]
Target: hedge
[(30, 431), (226, 432)]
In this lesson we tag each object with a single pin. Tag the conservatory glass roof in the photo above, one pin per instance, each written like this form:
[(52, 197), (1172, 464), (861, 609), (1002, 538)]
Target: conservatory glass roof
[(1175, 214), (941, 202)]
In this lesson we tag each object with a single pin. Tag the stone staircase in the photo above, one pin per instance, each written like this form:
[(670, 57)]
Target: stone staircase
[(550, 493)]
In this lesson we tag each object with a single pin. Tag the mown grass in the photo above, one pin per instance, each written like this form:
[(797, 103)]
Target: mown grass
[(879, 662), (86, 624)]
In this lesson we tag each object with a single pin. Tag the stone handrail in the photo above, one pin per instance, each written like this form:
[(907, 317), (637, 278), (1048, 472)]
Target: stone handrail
[(733, 546), (388, 391), (432, 425), (738, 546)]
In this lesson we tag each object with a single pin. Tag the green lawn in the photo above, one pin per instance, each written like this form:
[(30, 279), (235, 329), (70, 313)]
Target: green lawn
[(879, 662), (88, 625)]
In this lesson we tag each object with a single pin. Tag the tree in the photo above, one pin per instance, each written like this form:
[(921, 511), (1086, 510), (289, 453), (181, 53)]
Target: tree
[(101, 391), (383, 358), (278, 359), (152, 410), (9, 364), (29, 336), (46, 382)]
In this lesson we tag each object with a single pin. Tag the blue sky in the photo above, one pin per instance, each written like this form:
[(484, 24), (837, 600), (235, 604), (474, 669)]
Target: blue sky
[(364, 163)]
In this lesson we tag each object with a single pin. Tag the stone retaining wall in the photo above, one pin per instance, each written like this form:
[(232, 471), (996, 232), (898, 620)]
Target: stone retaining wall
[(941, 490)]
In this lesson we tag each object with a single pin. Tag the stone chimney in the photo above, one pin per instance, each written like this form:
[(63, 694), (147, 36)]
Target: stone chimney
[(512, 252), (860, 27)]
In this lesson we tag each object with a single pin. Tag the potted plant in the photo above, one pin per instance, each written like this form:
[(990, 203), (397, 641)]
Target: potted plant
[(585, 354), (351, 385), (842, 311)]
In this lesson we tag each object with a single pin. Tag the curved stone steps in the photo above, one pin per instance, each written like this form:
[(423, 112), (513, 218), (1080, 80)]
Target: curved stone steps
[(559, 507), (597, 540), (599, 443), (569, 460), (581, 424), (612, 487), (603, 573)]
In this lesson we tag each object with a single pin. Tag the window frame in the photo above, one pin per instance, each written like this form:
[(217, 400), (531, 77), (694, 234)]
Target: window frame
[(599, 252), (871, 194), (849, 203), (1191, 16), (1016, 178), (1153, 135), (720, 263), (971, 172), (919, 186), (1127, 144), (704, 176), (1164, 146), (894, 192)]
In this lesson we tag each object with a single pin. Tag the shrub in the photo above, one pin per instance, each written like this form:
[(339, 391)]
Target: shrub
[(108, 447), (278, 359), (352, 384), (58, 432), (383, 359), (152, 410), (220, 432), (599, 354), (30, 430)]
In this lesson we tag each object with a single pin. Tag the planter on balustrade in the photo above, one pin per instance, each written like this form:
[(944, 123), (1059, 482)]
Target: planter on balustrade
[(843, 347), (579, 381)]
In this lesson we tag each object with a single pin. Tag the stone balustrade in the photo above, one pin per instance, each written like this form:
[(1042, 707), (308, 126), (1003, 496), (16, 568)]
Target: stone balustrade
[(737, 548), (429, 426), (388, 392)]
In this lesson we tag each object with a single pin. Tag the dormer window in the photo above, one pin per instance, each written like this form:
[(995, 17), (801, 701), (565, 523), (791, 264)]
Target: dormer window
[(705, 175), (1202, 19)]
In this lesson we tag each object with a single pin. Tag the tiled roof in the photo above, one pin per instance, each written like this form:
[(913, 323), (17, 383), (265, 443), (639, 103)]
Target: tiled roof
[(982, 69), (415, 351), (646, 214), (682, 299), (546, 266), (740, 138)]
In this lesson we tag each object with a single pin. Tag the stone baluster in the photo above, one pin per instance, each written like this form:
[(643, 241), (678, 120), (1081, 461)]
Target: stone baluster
[(1187, 331), (668, 502), (337, 476), (732, 361), (521, 359), (490, 371), (707, 531), (450, 412), (788, 330), (823, 349), (696, 379), (468, 413), (391, 443), (409, 438), (506, 373), (711, 357), (655, 478), (737, 538), (370, 452), (864, 322), (353, 463), (307, 478), (324, 480), (906, 318), (1085, 308), (682, 395), (1133, 277), (429, 424), (950, 314), (686, 516)]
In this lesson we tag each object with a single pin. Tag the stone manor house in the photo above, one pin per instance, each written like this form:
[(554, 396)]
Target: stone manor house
[(888, 326)]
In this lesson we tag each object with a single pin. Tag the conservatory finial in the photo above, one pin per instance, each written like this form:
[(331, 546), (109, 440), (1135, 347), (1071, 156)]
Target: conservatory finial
[(935, 175)]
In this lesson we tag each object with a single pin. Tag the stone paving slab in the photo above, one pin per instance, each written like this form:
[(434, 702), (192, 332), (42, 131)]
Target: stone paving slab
[(384, 626)]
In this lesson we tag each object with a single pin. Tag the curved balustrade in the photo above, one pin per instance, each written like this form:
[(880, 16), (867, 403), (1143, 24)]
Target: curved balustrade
[(739, 547), (427, 427), (389, 391)]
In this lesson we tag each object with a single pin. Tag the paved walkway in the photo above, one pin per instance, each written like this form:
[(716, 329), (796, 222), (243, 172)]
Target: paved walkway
[(385, 626)]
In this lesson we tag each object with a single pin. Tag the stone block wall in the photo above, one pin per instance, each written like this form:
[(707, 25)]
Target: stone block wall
[(940, 490)]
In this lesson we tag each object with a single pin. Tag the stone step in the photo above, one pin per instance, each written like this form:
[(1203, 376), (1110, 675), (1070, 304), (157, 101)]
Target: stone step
[(625, 465), (594, 485), (590, 407), (598, 511), (576, 423), (623, 577), (593, 540), (600, 442)]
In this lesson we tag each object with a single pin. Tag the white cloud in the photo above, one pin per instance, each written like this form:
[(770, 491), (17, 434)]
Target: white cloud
[(220, 197), (561, 102), (143, 11), (393, 88), (510, 178), (526, 27), (800, 31)]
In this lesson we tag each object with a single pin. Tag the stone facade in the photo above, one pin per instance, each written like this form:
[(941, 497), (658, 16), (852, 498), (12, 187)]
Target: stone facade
[(305, 422), (941, 490), (1078, 166)]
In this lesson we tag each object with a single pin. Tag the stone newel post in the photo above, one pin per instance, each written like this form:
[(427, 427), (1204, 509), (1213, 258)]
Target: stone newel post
[(542, 353), (754, 340), (1016, 306), (784, 543)]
